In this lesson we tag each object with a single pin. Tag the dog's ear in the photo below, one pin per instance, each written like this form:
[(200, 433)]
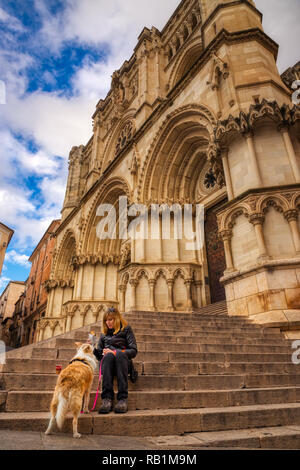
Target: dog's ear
[(78, 345), (87, 348)]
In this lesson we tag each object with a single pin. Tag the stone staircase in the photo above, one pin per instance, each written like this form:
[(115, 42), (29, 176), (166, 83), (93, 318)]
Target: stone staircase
[(204, 376)]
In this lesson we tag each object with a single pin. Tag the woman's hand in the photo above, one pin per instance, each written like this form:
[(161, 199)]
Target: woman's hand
[(107, 351)]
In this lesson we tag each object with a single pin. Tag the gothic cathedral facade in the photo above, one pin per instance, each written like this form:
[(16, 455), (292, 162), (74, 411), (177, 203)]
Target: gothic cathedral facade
[(199, 115)]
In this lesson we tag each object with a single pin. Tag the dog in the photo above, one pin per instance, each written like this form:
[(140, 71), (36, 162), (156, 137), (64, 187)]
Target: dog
[(73, 385)]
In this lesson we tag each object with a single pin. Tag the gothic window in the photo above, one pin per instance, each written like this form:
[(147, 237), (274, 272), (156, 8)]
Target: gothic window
[(125, 137), (209, 179), (194, 22), (185, 33)]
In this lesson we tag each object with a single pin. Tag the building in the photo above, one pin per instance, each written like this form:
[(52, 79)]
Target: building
[(16, 328), (198, 115), (291, 75), (35, 297), (8, 299), (6, 234)]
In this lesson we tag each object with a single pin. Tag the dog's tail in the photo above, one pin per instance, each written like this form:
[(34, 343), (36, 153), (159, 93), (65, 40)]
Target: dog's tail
[(62, 409)]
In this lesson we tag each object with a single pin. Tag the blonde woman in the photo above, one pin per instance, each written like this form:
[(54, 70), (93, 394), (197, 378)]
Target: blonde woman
[(117, 346)]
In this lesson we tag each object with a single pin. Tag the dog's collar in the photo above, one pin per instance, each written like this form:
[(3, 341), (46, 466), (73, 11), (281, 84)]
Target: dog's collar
[(81, 360)]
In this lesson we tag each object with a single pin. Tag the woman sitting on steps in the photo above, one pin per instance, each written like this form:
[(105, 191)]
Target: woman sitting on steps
[(117, 346)]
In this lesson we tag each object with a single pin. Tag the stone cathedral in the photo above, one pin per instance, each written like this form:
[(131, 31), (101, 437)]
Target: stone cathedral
[(197, 115)]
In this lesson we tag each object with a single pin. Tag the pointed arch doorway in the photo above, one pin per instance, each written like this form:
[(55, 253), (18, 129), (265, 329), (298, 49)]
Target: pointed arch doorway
[(216, 263)]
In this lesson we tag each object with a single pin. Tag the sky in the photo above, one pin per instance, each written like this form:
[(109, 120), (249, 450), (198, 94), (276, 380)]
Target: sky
[(56, 62)]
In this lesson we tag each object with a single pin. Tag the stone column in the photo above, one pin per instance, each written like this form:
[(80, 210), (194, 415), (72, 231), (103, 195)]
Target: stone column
[(132, 248), (133, 283), (292, 217), (93, 282), (69, 321), (170, 283), (51, 300), (226, 237), (188, 283), (253, 158), (160, 256), (78, 285), (198, 285), (224, 155), (257, 220), (291, 153), (122, 290), (152, 283)]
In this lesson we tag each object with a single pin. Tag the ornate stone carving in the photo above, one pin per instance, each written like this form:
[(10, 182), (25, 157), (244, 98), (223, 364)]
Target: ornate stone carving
[(124, 137), (243, 124), (125, 257)]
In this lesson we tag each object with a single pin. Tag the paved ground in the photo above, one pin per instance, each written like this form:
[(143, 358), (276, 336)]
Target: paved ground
[(18, 440)]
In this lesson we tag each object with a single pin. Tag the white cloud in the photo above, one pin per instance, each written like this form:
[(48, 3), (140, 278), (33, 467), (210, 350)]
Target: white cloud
[(98, 21), (3, 282), (17, 258), (10, 22), (56, 123)]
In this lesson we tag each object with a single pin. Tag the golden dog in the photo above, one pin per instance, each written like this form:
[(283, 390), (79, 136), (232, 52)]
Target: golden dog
[(74, 383)]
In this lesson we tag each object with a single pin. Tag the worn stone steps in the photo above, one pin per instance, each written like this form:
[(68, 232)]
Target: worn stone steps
[(39, 400), (267, 438), (166, 356), (195, 333), (45, 382), (198, 373), (157, 367), (175, 323), (166, 421), (203, 344)]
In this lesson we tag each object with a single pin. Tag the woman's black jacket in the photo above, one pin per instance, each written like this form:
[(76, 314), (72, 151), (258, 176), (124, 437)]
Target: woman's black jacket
[(123, 340)]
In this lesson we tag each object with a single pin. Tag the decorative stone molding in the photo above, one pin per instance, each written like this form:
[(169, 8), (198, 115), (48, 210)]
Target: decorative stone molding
[(209, 121), (283, 115), (53, 283), (256, 205), (291, 214), (218, 66)]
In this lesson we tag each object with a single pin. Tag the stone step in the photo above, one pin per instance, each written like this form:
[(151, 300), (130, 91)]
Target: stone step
[(47, 381), (206, 343), (164, 422), (150, 322), (258, 348), (138, 328), (165, 356), (279, 437), (21, 401), (156, 367), (187, 332), (179, 338), (207, 368)]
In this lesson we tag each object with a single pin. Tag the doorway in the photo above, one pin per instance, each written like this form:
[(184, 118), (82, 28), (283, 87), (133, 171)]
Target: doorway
[(215, 254)]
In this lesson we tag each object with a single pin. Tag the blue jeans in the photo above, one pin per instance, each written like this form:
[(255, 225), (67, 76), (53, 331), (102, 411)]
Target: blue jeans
[(115, 366)]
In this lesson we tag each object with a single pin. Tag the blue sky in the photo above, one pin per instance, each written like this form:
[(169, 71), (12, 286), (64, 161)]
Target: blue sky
[(56, 60)]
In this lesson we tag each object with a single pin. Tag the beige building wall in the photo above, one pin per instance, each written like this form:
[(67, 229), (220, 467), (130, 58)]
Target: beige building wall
[(5, 236), (9, 297)]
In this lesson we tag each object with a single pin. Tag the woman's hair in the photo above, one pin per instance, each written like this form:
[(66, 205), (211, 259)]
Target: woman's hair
[(120, 322)]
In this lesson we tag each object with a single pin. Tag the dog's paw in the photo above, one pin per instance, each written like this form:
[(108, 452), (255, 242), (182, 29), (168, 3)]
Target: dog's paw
[(77, 435)]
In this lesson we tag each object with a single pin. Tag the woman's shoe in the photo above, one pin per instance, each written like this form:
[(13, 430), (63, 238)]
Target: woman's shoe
[(106, 406), (121, 406)]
